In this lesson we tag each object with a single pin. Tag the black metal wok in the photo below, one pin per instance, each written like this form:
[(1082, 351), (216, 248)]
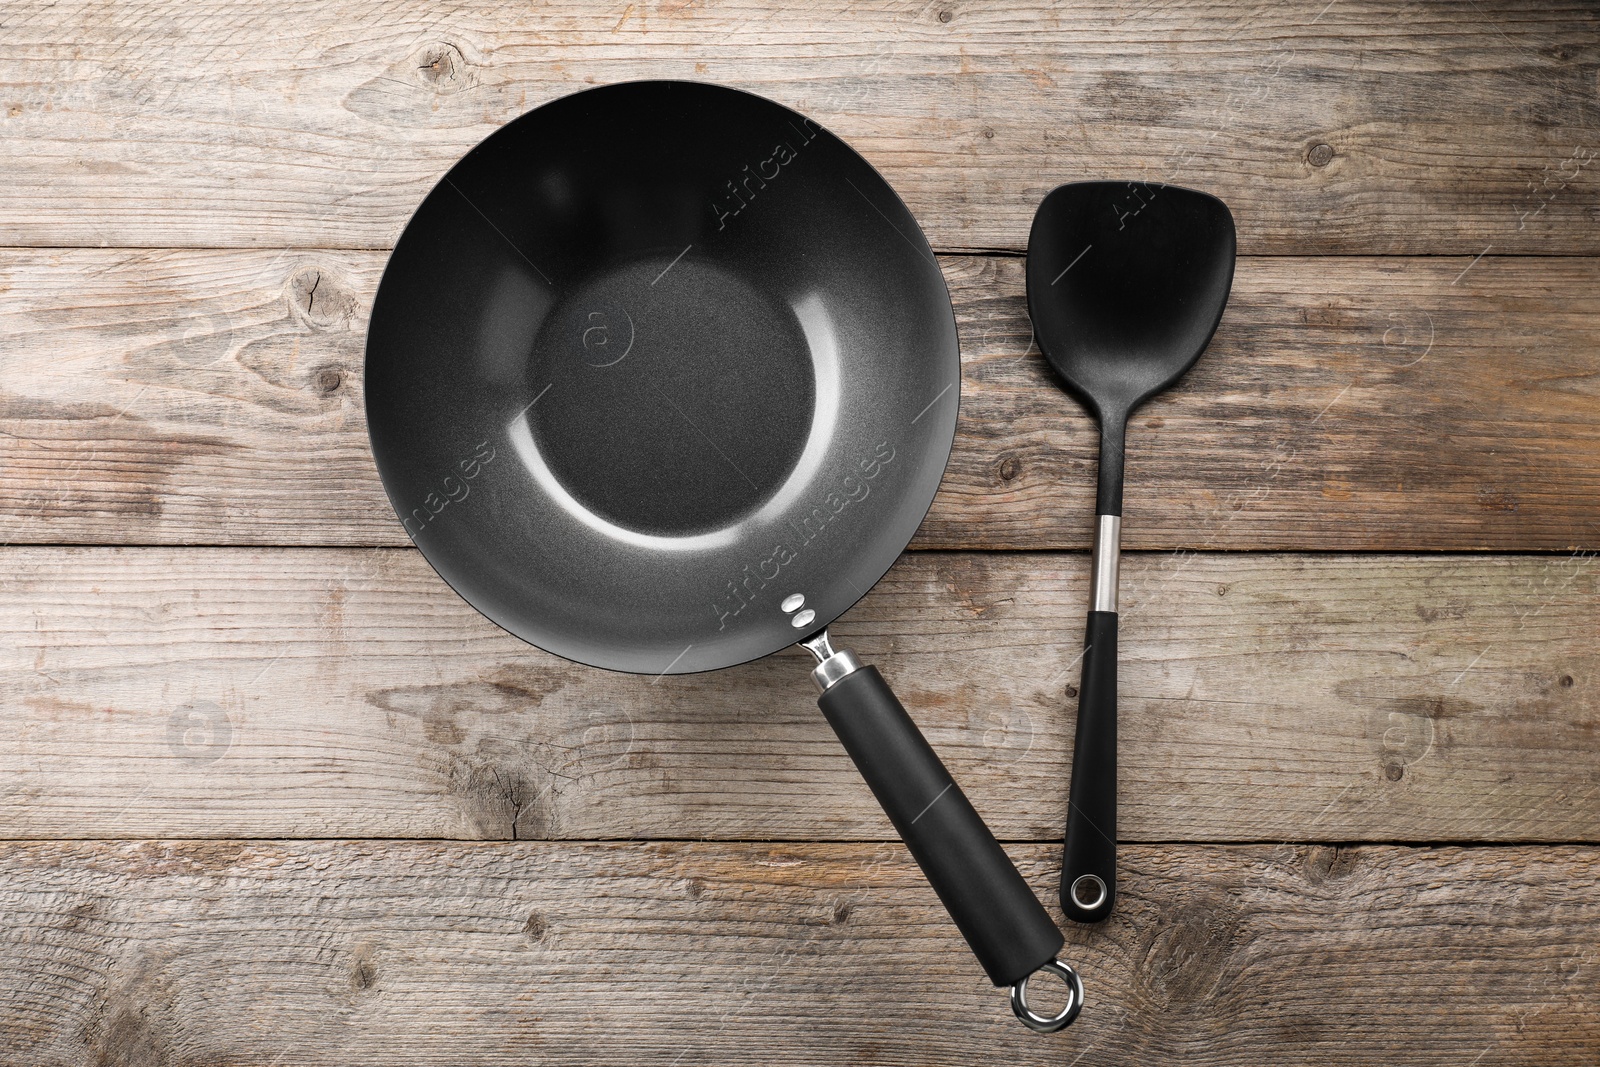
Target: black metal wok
[(661, 378)]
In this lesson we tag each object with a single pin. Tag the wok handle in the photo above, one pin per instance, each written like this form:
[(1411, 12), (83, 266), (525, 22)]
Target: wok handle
[(1007, 928), (1089, 856)]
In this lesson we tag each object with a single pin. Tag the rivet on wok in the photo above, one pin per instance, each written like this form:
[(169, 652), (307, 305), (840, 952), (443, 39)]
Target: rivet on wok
[(804, 619), (794, 602)]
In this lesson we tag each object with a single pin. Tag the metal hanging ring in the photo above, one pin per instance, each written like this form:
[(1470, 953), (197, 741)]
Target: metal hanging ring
[(1049, 1024)]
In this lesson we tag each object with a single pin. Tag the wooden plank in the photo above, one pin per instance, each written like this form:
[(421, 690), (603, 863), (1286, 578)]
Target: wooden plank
[(1348, 129), (1366, 405), (427, 953), (1369, 404), (317, 693)]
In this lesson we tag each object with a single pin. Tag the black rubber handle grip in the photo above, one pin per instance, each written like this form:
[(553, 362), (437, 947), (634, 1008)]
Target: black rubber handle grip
[(1009, 930), (1091, 844)]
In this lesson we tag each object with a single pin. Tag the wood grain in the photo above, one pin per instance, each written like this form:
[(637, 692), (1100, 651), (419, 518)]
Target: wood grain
[(1354, 128), (234, 953), (562, 865), (1346, 404), (315, 693)]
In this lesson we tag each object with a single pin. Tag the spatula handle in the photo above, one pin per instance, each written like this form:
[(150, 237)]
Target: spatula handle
[(1089, 858)]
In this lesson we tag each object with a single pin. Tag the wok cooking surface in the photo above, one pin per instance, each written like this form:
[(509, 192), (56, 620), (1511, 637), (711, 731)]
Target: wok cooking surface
[(653, 361), (666, 428)]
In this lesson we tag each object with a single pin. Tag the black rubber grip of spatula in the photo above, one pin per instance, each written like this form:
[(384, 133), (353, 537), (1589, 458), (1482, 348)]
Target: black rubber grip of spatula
[(1090, 852)]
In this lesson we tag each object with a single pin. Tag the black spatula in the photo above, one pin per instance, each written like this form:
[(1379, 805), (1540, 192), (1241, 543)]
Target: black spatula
[(1126, 285)]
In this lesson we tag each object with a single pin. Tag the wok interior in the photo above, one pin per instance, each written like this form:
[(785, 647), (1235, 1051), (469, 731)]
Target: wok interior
[(705, 346), (676, 407)]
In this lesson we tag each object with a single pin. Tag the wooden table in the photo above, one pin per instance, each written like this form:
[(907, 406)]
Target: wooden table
[(273, 795)]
